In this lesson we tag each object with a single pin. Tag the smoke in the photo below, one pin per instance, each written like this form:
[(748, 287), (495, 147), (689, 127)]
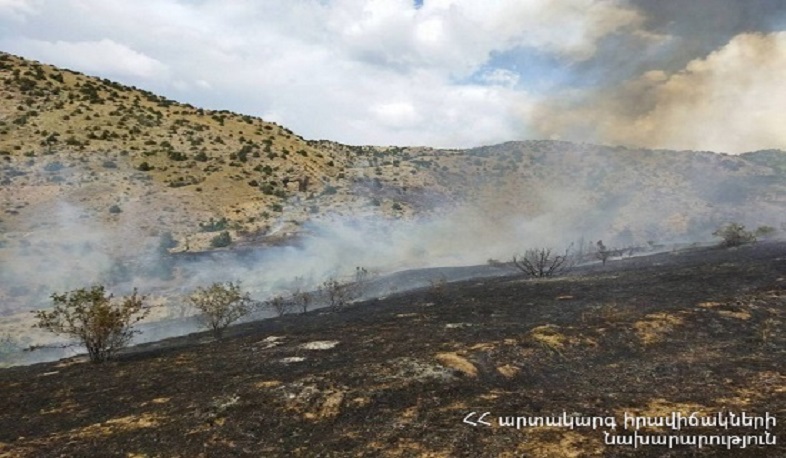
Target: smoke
[(729, 101)]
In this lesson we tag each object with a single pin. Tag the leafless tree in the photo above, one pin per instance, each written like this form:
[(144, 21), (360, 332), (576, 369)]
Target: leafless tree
[(337, 293), (340, 293), (280, 305), (543, 262), (301, 297)]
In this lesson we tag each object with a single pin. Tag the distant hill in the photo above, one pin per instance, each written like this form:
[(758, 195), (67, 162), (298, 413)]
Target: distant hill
[(104, 183)]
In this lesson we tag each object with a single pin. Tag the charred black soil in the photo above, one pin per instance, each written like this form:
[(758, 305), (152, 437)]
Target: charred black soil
[(693, 331)]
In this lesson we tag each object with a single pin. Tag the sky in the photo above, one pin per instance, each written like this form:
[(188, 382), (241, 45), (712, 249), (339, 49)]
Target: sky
[(685, 75)]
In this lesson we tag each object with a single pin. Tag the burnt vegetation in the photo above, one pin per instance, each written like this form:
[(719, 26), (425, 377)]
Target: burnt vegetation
[(699, 330), (544, 262)]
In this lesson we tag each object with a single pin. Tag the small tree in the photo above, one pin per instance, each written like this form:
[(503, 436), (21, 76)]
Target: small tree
[(543, 262), (734, 234), (220, 305), (90, 315), (301, 298), (280, 305), (336, 292), (341, 293), (603, 253)]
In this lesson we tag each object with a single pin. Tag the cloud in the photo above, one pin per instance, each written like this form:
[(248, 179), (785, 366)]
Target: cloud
[(18, 10), (357, 71), (104, 57), (452, 73), (729, 101)]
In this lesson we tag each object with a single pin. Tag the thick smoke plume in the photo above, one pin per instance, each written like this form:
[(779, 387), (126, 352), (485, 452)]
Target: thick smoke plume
[(729, 101)]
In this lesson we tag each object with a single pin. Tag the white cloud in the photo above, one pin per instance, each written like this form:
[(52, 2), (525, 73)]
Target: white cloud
[(357, 71), (104, 57), (18, 10)]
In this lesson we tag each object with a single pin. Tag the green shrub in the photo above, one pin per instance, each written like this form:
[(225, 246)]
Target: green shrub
[(221, 240), (90, 316), (220, 305), (213, 225), (145, 167)]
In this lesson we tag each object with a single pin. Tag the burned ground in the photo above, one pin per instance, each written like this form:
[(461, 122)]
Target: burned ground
[(690, 331)]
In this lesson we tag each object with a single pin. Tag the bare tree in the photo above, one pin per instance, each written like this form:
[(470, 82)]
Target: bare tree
[(302, 300), (338, 293), (280, 305), (90, 315), (220, 305), (543, 262)]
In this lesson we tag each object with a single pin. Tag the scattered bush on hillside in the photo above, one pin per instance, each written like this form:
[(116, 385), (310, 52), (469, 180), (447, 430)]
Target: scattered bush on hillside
[(543, 262), (92, 317), (734, 234), (221, 240), (213, 225), (220, 305)]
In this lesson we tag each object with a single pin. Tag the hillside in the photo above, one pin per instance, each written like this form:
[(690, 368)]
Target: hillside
[(103, 183), (171, 167), (696, 331)]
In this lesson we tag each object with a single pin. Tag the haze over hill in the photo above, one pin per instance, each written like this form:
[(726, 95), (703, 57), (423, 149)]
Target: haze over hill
[(95, 175)]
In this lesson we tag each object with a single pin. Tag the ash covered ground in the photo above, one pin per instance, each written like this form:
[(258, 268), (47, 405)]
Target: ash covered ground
[(688, 331)]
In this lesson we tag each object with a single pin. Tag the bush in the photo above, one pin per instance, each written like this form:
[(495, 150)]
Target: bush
[(543, 262), (221, 240), (220, 305), (145, 167), (765, 232), (115, 209), (734, 234), (213, 225), (90, 316)]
